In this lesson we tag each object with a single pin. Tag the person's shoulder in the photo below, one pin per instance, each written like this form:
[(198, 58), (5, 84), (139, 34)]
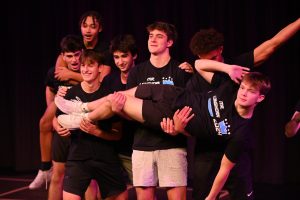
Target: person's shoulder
[(245, 59), (141, 66)]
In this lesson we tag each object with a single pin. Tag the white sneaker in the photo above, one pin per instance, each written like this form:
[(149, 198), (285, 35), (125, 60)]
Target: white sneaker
[(71, 121), (68, 106), (42, 178)]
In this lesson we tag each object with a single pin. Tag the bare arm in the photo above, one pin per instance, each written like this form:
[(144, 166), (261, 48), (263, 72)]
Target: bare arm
[(206, 69), (224, 171), (267, 48), (292, 127), (49, 95), (62, 73), (105, 70)]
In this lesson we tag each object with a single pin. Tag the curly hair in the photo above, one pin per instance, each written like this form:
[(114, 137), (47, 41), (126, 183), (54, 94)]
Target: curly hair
[(124, 43), (205, 41)]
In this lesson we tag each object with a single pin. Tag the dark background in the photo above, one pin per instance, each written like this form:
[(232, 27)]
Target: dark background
[(32, 32)]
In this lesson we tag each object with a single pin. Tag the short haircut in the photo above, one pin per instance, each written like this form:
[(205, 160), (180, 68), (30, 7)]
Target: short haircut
[(91, 56), (71, 43), (124, 43), (205, 41), (259, 81), (169, 29), (94, 15)]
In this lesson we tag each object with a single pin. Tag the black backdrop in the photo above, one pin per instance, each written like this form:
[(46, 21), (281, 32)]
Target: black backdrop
[(32, 32)]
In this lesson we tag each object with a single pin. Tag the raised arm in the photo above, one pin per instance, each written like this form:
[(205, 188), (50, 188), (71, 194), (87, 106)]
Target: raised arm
[(206, 69), (267, 48), (223, 173)]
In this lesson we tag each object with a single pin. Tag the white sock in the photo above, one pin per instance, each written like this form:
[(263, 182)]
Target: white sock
[(86, 116), (84, 107)]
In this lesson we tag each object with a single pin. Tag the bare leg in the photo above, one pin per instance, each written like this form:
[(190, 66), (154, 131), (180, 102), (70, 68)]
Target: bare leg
[(46, 132), (93, 105), (132, 108), (145, 193), (56, 185), (91, 192), (177, 193), (70, 196)]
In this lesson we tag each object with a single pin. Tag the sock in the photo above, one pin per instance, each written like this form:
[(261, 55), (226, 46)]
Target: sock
[(85, 115), (46, 165), (84, 107)]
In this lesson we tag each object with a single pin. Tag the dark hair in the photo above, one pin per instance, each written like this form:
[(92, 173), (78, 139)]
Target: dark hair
[(71, 43), (124, 43), (91, 56), (169, 29), (259, 81), (205, 41), (95, 16)]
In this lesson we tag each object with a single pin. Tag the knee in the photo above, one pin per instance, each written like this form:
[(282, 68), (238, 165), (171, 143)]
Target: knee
[(57, 177)]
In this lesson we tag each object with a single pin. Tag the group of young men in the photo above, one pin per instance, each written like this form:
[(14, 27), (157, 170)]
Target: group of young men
[(165, 102)]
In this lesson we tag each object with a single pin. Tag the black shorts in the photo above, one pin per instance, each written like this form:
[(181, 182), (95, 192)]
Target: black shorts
[(78, 175), (60, 148), (157, 102)]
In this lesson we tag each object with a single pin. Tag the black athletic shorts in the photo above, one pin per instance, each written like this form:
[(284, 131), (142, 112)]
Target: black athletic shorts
[(60, 148), (157, 102), (78, 175)]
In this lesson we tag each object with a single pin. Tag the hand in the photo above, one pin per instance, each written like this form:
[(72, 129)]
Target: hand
[(62, 73), (63, 132), (237, 73), (186, 67), (62, 91), (167, 125), (89, 127), (181, 119), (117, 102)]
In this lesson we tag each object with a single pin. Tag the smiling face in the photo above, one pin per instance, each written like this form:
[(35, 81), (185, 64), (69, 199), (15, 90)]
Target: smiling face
[(90, 28), (158, 42), (72, 59), (248, 95), (90, 71), (124, 61)]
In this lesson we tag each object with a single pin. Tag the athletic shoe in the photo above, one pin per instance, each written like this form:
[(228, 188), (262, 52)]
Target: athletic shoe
[(71, 121), (68, 106), (42, 178)]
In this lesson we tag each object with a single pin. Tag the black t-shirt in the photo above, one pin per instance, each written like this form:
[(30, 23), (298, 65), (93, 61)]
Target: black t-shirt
[(217, 118), (52, 82), (83, 145), (102, 47), (124, 145), (147, 139)]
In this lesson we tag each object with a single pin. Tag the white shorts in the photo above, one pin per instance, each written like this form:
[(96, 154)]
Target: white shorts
[(164, 168)]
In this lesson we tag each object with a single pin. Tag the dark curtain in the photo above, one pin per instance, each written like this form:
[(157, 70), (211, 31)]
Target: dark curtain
[(32, 32)]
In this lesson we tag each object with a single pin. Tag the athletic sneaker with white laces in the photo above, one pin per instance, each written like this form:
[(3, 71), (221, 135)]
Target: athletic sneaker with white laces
[(42, 178), (71, 121), (68, 106)]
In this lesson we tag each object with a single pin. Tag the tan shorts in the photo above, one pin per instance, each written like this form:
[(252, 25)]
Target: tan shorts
[(164, 168)]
